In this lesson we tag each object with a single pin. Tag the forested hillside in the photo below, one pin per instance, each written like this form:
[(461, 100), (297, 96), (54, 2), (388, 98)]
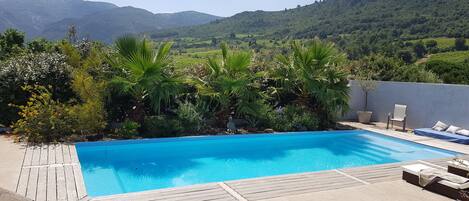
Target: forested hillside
[(110, 24), (403, 18), (102, 21)]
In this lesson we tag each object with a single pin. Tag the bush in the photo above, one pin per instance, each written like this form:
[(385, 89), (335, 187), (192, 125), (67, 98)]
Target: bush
[(190, 119), (32, 69), (42, 118), (42, 113), (128, 129), (161, 126), (451, 73), (415, 73), (295, 118), (460, 44), (89, 113)]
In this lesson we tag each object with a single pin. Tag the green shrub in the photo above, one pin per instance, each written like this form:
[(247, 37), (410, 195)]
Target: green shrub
[(451, 73), (161, 126), (89, 113), (42, 118), (190, 119), (295, 118), (30, 69), (128, 129), (415, 73)]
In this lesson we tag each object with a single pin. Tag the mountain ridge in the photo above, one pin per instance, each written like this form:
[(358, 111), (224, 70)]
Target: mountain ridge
[(98, 20)]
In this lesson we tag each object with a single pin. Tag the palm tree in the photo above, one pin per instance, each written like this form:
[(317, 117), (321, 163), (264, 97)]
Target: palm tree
[(147, 75), (313, 75), (231, 86)]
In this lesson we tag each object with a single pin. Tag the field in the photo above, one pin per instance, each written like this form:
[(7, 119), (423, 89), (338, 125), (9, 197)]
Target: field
[(455, 57), (442, 42)]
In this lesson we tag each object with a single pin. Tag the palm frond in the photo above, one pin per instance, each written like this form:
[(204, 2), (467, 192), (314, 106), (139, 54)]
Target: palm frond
[(127, 45)]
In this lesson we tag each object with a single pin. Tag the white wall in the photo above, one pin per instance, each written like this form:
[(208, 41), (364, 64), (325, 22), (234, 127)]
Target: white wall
[(426, 103)]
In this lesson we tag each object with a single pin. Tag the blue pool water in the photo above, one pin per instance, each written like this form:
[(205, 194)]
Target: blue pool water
[(138, 165)]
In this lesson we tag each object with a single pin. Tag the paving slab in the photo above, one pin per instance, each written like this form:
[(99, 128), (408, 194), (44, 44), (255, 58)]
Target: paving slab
[(11, 160)]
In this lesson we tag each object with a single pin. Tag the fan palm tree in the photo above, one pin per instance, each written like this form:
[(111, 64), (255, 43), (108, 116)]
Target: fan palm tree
[(147, 75), (231, 86), (314, 76)]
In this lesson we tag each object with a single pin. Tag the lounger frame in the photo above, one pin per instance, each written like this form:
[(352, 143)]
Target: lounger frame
[(458, 171)]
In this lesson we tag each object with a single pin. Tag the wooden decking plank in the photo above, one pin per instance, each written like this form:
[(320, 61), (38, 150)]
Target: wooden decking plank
[(51, 184), (187, 191), (61, 185), (439, 162), (279, 180), (311, 181), (73, 154), (79, 182), (32, 183), (28, 157), (196, 196), (312, 184), (319, 177), (280, 177), (36, 156), (299, 190), (190, 189), (23, 181), (371, 173), (51, 153), (66, 154), (41, 194), (59, 156), (44, 158), (153, 194), (70, 183)]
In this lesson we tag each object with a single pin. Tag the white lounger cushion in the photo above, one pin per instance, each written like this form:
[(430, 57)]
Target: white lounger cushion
[(416, 168)]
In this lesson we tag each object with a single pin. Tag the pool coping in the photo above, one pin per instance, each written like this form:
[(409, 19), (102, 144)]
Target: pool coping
[(69, 184)]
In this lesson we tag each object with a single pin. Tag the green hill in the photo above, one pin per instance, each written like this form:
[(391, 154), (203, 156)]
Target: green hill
[(409, 19), (98, 20), (32, 16), (110, 24)]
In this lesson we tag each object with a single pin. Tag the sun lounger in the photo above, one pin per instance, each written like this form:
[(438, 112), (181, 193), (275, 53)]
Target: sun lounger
[(454, 188), (461, 139)]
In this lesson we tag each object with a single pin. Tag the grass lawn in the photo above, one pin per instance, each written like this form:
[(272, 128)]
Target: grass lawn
[(455, 57), (443, 42)]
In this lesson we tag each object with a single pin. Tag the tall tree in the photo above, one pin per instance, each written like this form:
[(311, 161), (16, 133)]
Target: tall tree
[(460, 44)]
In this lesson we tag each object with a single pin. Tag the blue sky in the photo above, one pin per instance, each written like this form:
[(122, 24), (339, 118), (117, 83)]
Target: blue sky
[(223, 8)]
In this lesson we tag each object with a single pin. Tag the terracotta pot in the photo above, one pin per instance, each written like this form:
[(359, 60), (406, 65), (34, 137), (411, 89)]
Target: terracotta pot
[(364, 116)]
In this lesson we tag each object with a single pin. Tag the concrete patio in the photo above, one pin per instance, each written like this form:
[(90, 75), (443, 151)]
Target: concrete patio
[(52, 172)]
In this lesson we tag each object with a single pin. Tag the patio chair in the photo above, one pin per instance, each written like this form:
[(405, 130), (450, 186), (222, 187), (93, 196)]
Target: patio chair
[(399, 115)]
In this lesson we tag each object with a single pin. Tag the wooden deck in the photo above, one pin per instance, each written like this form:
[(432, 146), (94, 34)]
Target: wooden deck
[(52, 173)]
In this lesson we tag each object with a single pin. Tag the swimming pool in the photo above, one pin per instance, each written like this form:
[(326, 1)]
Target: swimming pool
[(138, 165)]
